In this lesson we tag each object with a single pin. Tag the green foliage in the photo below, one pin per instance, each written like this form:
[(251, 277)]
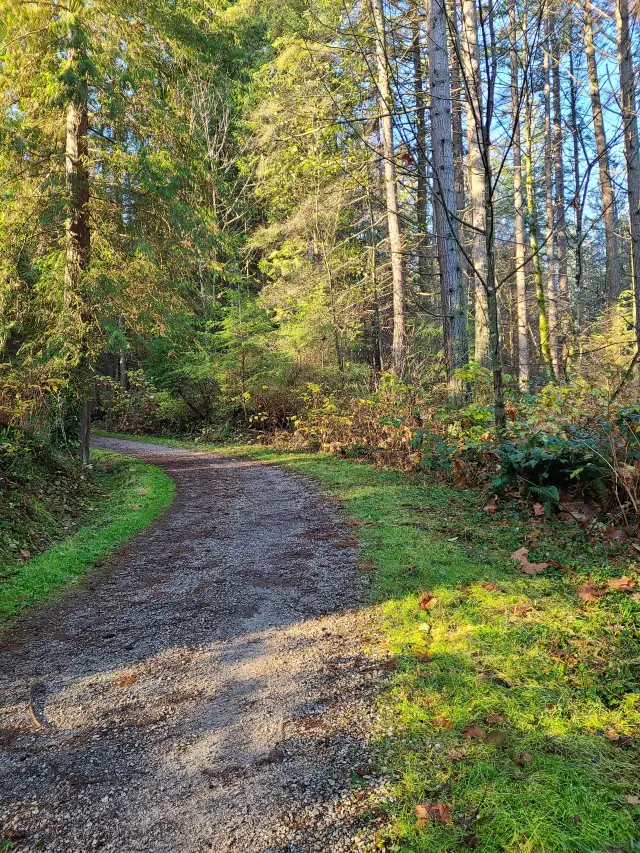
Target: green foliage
[(131, 495)]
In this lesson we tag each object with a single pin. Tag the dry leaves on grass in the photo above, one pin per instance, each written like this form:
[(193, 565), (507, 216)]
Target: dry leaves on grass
[(25, 554), (529, 568), (494, 719), (441, 723), (434, 811), (427, 600), (492, 507), (591, 591), (522, 759), (474, 732)]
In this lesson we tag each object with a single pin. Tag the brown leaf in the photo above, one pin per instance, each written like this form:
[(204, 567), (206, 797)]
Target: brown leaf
[(436, 811), (366, 565), (441, 723), (427, 600), (425, 657), (522, 759), (492, 507), (538, 510), (390, 663), (24, 553), (522, 557), (624, 584), (522, 607), (473, 732), (496, 738), (590, 592), (493, 719)]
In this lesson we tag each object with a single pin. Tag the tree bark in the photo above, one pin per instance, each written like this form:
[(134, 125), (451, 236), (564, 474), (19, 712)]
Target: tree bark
[(532, 214), (518, 204), (609, 210), (550, 241), (476, 176), (398, 347), (78, 235), (421, 155), (444, 199), (564, 306), (631, 153)]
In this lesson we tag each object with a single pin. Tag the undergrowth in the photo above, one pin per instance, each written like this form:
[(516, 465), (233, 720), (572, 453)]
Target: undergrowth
[(511, 718), (118, 498)]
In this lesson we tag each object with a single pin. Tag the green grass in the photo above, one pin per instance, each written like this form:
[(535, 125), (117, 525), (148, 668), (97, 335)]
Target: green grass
[(501, 651), (136, 493)]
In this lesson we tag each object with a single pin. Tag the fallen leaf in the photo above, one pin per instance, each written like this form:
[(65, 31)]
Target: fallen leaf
[(473, 732), (624, 584), (522, 759), (493, 719), (437, 812), (390, 663), (611, 734), (366, 565), (590, 592), (529, 568), (492, 507), (427, 600), (425, 657), (538, 510), (496, 738), (143, 491), (24, 553), (441, 723), (632, 799), (522, 607)]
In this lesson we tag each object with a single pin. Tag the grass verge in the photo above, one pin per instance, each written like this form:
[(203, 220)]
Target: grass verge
[(136, 493), (512, 715)]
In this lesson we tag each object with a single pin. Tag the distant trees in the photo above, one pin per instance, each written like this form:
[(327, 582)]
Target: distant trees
[(408, 186)]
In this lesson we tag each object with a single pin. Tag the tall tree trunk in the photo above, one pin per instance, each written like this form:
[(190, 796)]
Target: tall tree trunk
[(518, 204), (421, 155), (631, 153), (78, 235), (532, 215), (398, 347), (609, 210), (550, 241), (444, 199), (577, 202), (456, 127), (476, 175), (564, 306)]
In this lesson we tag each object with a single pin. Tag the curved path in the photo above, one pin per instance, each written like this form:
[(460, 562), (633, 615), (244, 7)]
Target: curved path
[(205, 690)]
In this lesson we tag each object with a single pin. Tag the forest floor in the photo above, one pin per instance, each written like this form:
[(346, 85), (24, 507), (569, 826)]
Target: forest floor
[(206, 689), (247, 677)]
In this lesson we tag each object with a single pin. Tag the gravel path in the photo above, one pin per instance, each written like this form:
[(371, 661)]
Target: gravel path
[(206, 689)]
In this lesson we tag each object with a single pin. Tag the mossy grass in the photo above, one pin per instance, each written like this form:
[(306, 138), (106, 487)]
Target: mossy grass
[(553, 679), (133, 494)]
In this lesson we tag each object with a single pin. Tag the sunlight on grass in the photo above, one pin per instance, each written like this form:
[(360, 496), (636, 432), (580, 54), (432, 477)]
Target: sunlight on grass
[(518, 658), (137, 494)]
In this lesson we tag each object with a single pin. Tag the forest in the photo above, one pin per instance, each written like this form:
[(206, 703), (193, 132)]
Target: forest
[(393, 245)]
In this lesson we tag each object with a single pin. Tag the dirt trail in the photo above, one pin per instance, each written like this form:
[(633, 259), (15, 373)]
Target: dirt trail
[(205, 690)]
